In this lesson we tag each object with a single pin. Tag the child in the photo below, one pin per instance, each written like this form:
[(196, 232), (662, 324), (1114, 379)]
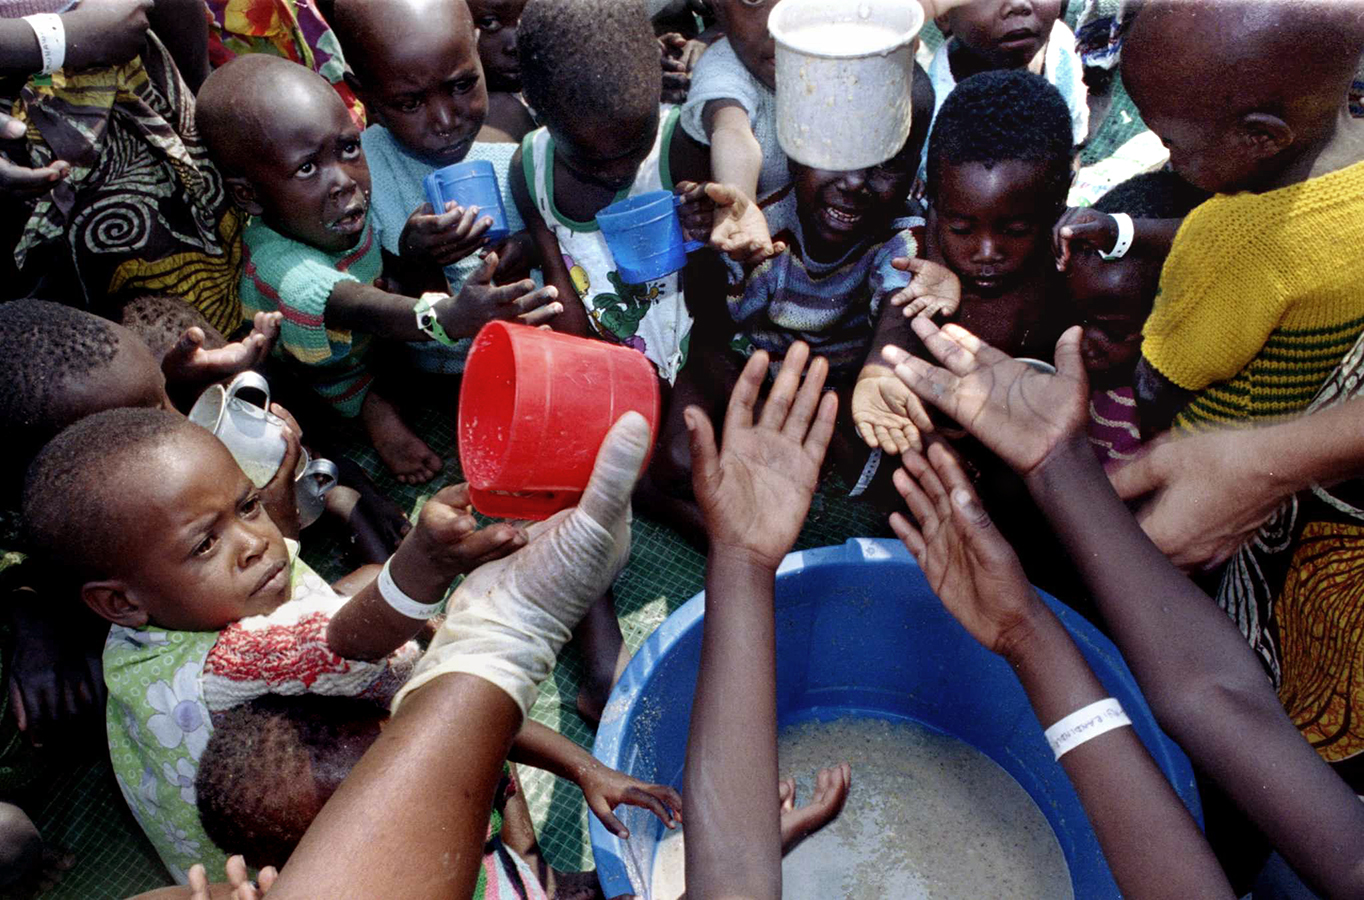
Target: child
[(415, 64), (508, 118), (294, 161), (998, 168), (1251, 320), (271, 765), (589, 70), (1017, 35), (165, 537), (1111, 298)]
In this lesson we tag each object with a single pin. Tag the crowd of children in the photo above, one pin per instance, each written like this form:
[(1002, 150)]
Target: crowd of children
[(1154, 396)]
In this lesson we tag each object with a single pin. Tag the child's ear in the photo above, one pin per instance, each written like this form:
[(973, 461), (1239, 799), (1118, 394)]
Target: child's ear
[(244, 193), (109, 600), (1266, 135)]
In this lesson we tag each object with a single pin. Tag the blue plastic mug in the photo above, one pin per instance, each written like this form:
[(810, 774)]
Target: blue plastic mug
[(645, 236), (472, 183)]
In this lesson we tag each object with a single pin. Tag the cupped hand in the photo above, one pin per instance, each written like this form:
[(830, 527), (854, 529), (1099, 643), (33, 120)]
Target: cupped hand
[(755, 491), (444, 238), (190, 363), (887, 414), (1080, 226), (735, 224), (1021, 414), (480, 301), (448, 538), (1204, 495), (968, 563), (934, 291), (605, 788), (105, 32)]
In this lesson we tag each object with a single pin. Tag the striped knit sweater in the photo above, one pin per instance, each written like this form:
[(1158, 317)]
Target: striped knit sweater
[(1261, 297)]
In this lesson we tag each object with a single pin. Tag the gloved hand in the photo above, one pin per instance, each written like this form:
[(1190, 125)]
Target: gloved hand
[(509, 618)]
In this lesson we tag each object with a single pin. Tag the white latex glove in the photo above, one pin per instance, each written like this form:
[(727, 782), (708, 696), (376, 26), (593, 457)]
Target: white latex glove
[(509, 618)]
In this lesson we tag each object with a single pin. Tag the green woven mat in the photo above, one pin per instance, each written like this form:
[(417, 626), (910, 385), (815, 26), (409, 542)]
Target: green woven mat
[(86, 814)]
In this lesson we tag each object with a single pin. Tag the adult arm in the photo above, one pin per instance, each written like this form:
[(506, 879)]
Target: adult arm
[(1206, 494), (754, 496), (1206, 687), (1141, 824)]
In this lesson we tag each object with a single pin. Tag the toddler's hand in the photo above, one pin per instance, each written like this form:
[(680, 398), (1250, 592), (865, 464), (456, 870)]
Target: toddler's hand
[(967, 562), (755, 491), (455, 233), (447, 537), (734, 223), (887, 414), (278, 494), (1082, 226), (604, 789), (517, 255), (676, 68), (1019, 413), (17, 179), (935, 289), (480, 301), (105, 33), (831, 792), (188, 362)]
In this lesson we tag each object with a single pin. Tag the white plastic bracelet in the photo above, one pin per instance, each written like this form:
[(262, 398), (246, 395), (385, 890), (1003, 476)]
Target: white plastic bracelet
[(1124, 242), (396, 598), (1085, 724), (51, 34)]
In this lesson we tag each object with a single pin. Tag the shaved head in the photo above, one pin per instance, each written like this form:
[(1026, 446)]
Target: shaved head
[(238, 108), (372, 33)]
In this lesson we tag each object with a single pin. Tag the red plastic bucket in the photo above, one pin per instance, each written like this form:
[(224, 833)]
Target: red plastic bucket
[(533, 410)]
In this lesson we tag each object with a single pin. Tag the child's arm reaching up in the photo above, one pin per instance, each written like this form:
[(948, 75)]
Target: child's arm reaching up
[(445, 543), (603, 787), (754, 494), (1140, 822), (884, 410), (735, 224), (1206, 686)]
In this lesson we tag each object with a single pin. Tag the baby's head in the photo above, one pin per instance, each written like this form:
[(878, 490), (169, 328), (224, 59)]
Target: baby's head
[(155, 521), (415, 67), (288, 148), (744, 22), (1002, 34), (64, 364), (999, 167), (589, 69), (161, 320), (1240, 90), (272, 764), (1112, 299), (497, 22)]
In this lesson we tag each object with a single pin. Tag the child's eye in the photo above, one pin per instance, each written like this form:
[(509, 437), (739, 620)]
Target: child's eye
[(350, 149), (958, 228), (489, 24), (206, 546), (251, 506), (1018, 229), (306, 169), (408, 104), (465, 85)]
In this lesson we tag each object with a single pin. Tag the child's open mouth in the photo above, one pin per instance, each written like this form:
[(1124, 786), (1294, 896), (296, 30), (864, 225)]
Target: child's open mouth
[(352, 221), (842, 219)]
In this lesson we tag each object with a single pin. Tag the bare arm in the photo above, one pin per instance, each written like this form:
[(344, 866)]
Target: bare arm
[(573, 318), (736, 158), (1205, 685)]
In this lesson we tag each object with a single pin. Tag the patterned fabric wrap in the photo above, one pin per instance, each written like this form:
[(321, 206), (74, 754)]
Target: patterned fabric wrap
[(164, 687), (1296, 591), (292, 29), (831, 306), (17, 9), (143, 207), (1114, 425), (289, 276), (653, 317)]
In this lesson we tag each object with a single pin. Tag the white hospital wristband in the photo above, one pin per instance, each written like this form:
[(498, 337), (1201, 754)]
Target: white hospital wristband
[(1085, 724), (51, 34), (1126, 232), (396, 598)]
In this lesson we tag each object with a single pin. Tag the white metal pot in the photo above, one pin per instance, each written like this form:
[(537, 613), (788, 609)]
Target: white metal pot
[(844, 71)]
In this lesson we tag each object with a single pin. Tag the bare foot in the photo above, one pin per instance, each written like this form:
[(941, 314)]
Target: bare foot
[(574, 886), (28, 867), (405, 454), (799, 822)]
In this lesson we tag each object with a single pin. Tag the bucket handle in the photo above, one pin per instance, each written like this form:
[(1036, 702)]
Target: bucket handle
[(688, 246), (534, 505)]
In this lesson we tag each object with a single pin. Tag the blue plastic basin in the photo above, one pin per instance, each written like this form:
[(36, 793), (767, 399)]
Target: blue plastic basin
[(860, 632)]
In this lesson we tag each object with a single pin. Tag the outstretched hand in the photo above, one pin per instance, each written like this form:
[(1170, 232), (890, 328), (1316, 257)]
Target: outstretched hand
[(934, 291), (1021, 414), (756, 489), (189, 363), (605, 788), (887, 414), (1082, 227), (480, 301), (967, 562), (736, 226)]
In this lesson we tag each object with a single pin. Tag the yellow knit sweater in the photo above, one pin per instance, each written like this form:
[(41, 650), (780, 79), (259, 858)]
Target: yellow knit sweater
[(1260, 298)]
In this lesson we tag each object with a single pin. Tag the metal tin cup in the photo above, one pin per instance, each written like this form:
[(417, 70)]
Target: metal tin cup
[(253, 435)]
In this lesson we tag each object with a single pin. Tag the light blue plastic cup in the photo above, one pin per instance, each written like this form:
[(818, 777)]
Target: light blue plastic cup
[(472, 183), (645, 236)]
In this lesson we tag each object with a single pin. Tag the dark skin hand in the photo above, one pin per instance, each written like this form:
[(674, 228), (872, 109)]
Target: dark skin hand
[(1205, 686), (56, 684)]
